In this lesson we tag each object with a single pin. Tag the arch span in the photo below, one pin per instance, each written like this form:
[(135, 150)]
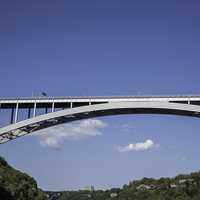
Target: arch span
[(27, 126)]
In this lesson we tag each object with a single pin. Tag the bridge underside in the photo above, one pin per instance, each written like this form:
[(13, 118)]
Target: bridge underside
[(27, 126)]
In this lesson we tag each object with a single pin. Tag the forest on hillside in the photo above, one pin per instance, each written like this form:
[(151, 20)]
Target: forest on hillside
[(15, 185), (182, 187)]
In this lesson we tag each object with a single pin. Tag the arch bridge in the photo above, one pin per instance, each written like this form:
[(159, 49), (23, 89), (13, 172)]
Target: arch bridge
[(44, 112)]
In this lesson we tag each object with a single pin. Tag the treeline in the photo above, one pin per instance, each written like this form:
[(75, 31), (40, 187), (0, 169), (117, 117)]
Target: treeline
[(182, 187), (15, 185)]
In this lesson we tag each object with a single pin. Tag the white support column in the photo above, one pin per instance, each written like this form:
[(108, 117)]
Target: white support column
[(34, 109), (53, 106), (16, 112), (90, 103), (71, 104)]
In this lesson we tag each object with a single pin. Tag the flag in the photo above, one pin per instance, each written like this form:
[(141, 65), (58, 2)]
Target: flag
[(44, 94)]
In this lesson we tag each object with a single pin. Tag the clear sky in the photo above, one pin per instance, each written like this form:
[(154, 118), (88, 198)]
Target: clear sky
[(105, 47)]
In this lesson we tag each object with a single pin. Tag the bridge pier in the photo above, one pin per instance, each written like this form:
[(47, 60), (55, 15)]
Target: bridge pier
[(16, 112), (34, 109), (29, 113), (53, 107), (12, 115)]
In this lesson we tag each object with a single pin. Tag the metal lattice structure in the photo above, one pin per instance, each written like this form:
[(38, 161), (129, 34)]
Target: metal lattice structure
[(58, 110)]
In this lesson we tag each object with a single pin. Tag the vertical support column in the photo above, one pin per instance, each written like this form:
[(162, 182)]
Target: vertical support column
[(29, 113), (12, 116), (34, 109), (16, 112), (71, 104), (53, 106), (90, 103)]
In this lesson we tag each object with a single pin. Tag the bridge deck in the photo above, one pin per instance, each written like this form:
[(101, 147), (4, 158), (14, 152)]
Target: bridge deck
[(99, 98), (65, 102)]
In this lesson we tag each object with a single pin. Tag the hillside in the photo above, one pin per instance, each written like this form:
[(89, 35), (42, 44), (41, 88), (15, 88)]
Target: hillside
[(182, 187), (15, 185)]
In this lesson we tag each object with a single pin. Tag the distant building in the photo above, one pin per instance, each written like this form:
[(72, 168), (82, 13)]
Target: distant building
[(143, 187), (186, 180), (53, 195), (89, 188), (173, 186), (182, 181), (112, 195)]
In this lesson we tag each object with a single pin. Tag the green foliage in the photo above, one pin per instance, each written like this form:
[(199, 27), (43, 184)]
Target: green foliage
[(15, 185), (182, 187)]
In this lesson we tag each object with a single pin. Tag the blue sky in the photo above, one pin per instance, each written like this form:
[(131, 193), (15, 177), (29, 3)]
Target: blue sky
[(107, 47)]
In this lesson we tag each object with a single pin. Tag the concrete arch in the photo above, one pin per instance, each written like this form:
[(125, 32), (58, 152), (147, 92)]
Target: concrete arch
[(24, 127)]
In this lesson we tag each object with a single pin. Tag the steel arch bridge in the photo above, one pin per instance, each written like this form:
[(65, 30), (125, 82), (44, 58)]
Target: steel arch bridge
[(58, 110)]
